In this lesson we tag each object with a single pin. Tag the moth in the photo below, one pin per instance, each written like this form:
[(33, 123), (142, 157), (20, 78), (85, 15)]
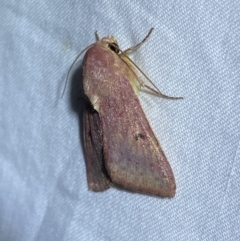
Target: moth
[(120, 147)]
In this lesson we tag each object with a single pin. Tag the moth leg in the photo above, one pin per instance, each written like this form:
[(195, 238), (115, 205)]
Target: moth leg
[(158, 92), (131, 49), (97, 177), (154, 90), (130, 63)]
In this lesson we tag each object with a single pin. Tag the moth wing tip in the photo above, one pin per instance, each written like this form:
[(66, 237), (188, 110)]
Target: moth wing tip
[(96, 187)]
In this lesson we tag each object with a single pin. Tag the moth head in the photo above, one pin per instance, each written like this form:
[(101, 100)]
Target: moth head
[(111, 43)]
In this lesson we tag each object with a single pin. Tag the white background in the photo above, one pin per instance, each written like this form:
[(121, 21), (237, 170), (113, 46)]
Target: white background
[(193, 52)]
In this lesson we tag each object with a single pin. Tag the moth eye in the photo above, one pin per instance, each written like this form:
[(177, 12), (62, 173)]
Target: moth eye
[(114, 47)]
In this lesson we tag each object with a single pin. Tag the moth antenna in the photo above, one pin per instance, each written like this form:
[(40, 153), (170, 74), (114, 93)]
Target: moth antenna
[(131, 49), (69, 70), (97, 36)]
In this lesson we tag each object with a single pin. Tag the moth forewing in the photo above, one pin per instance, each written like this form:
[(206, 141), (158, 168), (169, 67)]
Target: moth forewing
[(120, 146)]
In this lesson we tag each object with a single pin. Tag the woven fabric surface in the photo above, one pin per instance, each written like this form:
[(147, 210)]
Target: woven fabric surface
[(193, 52)]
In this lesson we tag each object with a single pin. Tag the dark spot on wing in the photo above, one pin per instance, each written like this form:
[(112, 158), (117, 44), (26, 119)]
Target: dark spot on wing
[(139, 136)]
